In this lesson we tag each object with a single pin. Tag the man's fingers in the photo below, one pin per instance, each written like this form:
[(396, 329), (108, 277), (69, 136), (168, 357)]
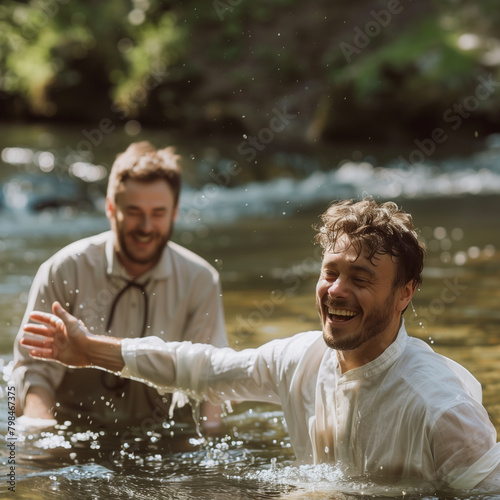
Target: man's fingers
[(34, 340), (39, 346), (46, 318), (40, 352), (38, 329), (62, 313), (72, 324)]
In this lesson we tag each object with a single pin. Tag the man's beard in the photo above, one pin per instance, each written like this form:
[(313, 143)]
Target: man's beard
[(372, 326), (154, 257)]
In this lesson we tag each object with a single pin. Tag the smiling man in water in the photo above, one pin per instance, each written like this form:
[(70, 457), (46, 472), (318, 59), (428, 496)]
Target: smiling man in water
[(132, 280), (361, 393)]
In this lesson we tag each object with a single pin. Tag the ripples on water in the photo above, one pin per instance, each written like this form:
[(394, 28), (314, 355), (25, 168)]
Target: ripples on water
[(253, 460)]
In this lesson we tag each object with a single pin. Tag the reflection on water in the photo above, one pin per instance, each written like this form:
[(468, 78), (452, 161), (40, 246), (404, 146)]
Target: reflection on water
[(268, 267)]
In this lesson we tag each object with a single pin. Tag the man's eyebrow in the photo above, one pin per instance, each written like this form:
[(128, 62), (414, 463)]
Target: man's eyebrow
[(364, 269), (137, 207), (355, 267)]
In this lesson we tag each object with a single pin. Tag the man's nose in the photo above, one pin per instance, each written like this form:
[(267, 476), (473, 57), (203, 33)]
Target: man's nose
[(338, 288), (146, 223)]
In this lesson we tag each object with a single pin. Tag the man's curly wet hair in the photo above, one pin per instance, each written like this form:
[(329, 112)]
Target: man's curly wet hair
[(375, 229)]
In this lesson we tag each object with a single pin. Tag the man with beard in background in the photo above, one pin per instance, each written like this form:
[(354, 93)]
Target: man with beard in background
[(132, 280)]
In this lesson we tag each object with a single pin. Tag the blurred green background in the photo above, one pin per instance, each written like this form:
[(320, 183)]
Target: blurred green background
[(363, 70)]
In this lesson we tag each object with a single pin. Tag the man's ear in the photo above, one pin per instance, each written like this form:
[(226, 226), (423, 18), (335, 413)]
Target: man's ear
[(406, 294), (110, 208), (176, 212)]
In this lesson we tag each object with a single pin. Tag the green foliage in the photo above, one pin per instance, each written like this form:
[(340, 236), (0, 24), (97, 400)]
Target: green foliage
[(42, 40), (150, 57), (151, 49), (34, 50), (426, 54)]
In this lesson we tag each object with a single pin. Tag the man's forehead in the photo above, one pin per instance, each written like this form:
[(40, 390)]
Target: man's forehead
[(351, 255), (133, 188), (143, 184), (344, 247), (354, 253)]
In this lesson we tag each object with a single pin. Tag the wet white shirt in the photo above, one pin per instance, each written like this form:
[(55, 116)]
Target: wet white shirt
[(410, 413)]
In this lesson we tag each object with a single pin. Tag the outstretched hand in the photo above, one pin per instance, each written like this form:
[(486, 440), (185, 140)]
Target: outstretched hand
[(58, 337)]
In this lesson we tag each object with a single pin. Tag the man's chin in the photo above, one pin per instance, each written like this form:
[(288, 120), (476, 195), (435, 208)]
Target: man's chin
[(144, 259), (345, 344)]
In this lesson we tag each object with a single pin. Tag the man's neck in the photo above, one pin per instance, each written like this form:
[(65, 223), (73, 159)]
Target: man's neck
[(369, 351), (134, 269)]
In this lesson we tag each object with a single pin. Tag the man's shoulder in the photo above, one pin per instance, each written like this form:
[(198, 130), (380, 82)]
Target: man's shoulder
[(182, 255), (82, 249), (438, 380), (302, 345), (299, 357), (421, 354)]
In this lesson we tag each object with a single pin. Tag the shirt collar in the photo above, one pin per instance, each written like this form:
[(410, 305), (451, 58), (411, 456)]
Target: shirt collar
[(162, 270), (384, 361)]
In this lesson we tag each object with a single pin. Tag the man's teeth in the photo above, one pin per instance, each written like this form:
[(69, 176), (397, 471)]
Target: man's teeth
[(341, 312), (143, 239)]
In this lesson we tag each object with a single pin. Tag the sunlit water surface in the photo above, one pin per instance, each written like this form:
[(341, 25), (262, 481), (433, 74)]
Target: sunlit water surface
[(260, 238)]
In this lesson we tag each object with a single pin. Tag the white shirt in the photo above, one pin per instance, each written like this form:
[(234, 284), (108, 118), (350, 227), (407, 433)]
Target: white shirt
[(410, 413)]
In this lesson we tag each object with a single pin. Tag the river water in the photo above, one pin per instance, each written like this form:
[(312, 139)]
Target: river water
[(258, 234)]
